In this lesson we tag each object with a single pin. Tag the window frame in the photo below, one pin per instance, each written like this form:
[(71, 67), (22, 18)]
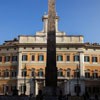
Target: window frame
[(59, 57)]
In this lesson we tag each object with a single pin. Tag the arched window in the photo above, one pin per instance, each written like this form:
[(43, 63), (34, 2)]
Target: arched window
[(40, 73), (68, 72), (24, 73), (60, 73), (95, 74), (87, 73), (77, 73), (33, 72)]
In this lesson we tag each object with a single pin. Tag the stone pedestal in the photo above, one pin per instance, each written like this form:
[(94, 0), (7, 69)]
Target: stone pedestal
[(50, 91), (75, 98)]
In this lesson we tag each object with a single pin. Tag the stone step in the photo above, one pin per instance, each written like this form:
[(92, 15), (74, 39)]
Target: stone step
[(14, 98)]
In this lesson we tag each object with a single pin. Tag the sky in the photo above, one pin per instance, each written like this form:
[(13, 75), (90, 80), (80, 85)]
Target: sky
[(24, 17)]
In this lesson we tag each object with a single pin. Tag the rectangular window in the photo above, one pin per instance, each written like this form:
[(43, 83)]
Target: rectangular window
[(86, 58), (67, 58), (14, 58), (22, 88), (6, 74), (14, 74), (33, 58), (94, 59), (7, 58), (40, 58), (24, 57), (76, 58), (0, 59), (59, 58), (13, 88)]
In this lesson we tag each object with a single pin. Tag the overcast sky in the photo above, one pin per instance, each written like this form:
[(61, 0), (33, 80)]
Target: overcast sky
[(23, 17)]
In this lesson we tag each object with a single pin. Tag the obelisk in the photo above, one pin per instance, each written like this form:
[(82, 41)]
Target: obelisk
[(51, 69)]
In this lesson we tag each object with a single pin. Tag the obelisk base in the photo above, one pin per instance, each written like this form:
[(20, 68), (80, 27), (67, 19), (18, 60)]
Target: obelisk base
[(51, 91)]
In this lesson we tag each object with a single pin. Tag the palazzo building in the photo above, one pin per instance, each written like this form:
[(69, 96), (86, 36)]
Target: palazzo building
[(23, 62)]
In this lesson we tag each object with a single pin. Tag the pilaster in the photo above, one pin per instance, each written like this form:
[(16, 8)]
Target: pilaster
[(81, 64), (19, 64)]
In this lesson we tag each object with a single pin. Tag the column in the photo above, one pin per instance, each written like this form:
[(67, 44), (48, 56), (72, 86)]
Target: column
[(81, 65), (19, 64)]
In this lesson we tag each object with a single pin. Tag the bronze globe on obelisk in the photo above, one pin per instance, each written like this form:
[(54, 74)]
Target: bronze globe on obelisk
[(51, 69)]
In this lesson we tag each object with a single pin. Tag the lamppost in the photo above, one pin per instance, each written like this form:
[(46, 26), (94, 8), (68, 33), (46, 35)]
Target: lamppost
[(78, 86), (69, 84), (24, 74)]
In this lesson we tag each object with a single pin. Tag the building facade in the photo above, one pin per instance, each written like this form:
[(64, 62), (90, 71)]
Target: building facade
[(23, 62)]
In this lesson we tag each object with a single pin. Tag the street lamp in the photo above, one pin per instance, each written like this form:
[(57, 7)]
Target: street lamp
[(24, 74), (78, 86)]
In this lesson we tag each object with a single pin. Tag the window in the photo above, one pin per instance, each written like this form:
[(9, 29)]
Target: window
[(33, 58), (7, 58), (88, 89), (6, 88), (40, 73), (0, 74), (87, 74), (24, 73), (76, 58), (95, 75), (14, 58), (13, 88), (86, 58), (59, 58), (0, 59), (22, 88), (13, 73), (6, 74), (60, 73), (33, 73), (40, 58), (94, 59), (67, 58), (68, 73), (24, 58), (77, 74)]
